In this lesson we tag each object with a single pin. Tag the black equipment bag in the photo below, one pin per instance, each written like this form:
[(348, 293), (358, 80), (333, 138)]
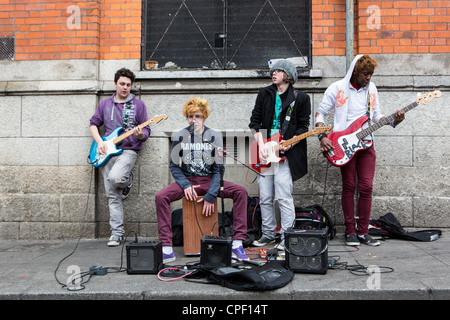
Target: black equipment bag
[(254, 231), (314, 217), (271, 275), (177, 227), (253, 222), (388, 226), (225, 224)]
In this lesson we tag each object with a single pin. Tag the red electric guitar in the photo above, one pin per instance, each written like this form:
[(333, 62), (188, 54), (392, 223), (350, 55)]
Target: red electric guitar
[(273, 145), (349, 141)]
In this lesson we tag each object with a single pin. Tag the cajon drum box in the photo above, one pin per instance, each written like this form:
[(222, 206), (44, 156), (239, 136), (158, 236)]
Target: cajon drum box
[(193, 221)]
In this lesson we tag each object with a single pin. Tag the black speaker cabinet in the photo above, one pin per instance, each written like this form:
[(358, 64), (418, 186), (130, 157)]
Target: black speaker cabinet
[(144, 257), (215, 251), (306, 250)]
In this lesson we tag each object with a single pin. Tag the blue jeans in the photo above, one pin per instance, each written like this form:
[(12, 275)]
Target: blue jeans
[(116, 175), (276, 185)]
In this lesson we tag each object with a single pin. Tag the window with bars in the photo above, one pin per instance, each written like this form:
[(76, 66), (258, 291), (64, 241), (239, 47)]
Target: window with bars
[(7, 48), (225, 34)]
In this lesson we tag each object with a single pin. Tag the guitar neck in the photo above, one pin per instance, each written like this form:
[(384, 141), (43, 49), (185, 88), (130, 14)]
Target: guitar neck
[(130, 132), (364, 133), (298, 138)]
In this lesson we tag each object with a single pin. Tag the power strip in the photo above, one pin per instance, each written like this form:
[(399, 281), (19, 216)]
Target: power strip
[(98, 270)]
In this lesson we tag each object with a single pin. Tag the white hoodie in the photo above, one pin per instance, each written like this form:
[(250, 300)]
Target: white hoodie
[(348, 103)]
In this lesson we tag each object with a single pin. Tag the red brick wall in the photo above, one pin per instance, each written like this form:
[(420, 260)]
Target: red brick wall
[(120, 29), (111, 29), (328, 27), (46, 29), (406, 27), (385, 26)]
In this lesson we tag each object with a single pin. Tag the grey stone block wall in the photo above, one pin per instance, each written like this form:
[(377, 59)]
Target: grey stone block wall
[(49, 191)]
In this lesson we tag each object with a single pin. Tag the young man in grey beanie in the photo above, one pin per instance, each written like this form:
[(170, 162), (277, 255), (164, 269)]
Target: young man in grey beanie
[(279, 108)]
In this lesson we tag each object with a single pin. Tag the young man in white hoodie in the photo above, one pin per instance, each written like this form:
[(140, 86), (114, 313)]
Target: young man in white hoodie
[(351, 98)]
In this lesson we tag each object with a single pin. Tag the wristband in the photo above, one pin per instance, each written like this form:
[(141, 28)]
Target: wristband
[(392, 124), (321, 136)]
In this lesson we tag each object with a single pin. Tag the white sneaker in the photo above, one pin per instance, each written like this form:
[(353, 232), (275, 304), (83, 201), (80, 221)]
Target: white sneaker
[(115, 240), (280, 245)]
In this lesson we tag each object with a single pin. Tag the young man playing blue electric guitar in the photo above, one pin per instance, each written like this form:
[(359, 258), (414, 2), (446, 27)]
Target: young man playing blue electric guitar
[(122, 110)]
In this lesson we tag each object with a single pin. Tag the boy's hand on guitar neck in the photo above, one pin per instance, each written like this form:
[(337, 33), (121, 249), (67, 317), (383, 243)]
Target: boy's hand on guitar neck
[(399, 116), (284, 149), (139, 132)]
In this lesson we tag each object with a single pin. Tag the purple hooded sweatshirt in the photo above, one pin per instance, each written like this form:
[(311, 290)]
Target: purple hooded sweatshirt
[(110, 114)]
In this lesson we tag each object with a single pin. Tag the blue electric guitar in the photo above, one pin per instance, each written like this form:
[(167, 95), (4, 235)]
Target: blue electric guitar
[(113, 139)]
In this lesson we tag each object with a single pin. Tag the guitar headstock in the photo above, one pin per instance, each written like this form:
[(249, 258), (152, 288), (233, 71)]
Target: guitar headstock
[(427, 97), (322, 129), (159, 118)]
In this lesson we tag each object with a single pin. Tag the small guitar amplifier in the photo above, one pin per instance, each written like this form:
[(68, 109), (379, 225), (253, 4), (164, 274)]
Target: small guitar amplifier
[(215, 251), (306, 250), (144, 257)]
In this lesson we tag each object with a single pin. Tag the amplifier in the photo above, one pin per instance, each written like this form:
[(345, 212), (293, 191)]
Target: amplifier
[(306, 250), (144, 257), (215, 251)]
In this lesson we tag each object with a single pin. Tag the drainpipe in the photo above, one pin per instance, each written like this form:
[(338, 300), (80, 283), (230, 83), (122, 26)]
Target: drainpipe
[(349, 33)]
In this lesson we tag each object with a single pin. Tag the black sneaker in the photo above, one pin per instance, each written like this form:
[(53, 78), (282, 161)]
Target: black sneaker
[(263, 241), (366, 239), (126, 191), (351, 240)]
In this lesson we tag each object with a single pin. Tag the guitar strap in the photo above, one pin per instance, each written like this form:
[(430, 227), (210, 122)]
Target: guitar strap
[(126, 114), (288, 115), (369, 107)]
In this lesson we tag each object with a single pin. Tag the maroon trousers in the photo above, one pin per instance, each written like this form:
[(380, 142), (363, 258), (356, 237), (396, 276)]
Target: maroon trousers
[(361, 167), (173, 192)]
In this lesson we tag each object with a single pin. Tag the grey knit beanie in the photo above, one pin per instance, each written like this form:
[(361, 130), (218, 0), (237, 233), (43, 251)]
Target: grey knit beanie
[(286, 66)]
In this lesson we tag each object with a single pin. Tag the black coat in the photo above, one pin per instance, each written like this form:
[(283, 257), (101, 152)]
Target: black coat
[(262, 118)]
